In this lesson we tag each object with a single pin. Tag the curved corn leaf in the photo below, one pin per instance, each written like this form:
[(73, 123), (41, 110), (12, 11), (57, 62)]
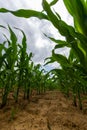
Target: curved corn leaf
[(62, 27), (2, 48), (73, 59), (74, 7), (51, 60), (53, 2), (77, 9), (82, 39), (7, 40), (61, 45), (58, 71), (30, 56), (62, 60), (50, 14), (24, 42), (84, 2), (5, 35), (3, 26), (13, 38), (25, 13), (58, 16), (79, 53), (23, 39), (13, 44)]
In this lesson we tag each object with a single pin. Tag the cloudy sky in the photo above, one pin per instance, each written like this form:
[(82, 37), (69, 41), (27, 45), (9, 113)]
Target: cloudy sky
[(34, 28)]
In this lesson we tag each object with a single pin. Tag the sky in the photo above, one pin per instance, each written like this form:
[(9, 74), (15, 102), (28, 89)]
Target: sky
[(34, 28)]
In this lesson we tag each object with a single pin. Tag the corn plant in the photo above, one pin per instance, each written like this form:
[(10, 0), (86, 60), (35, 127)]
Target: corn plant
[(20, 64), (28, 77), (37, 76), (8, 63)]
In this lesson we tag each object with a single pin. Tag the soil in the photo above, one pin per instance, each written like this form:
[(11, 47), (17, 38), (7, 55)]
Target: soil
[(49, 111)]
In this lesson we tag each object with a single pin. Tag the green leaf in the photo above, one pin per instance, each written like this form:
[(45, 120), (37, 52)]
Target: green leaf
[(50, 14), (8, 41), (30, 55), (51, 60), (13, 37), (58, 71), (24, 42), (3, 26), (79, 53), (60, 59), (2, 47), (53, 2), (77, 9), (61, 45), (25, 13), (23, 39), (72, 56), (13, 43)]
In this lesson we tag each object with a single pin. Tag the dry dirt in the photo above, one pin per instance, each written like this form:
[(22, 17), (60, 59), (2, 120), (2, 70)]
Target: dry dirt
[(50, 111)]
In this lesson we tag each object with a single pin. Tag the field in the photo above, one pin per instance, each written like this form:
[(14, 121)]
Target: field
[(31, 97), (50, 111)]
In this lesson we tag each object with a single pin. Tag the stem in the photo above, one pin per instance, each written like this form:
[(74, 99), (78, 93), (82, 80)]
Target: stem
[(17, 93), (74, 96), (4, 97), (80, 102)]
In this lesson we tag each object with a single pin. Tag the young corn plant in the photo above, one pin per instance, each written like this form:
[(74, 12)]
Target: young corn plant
[(23, 69), (28, 76), (38, 78), (8, 59)]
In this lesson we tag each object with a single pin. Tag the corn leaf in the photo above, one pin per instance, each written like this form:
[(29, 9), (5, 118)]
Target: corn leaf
[(60, 59), (79, 53), (25, 13), (13, 39), (23, 39), (61, 46), (58, 71), (62, 27), (61, 43), (53, 2), (50, 60), (77, 9), (72, 57)]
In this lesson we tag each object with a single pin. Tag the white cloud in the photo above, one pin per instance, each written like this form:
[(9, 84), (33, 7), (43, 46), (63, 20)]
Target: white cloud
[(33, 27), (25, 4)]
